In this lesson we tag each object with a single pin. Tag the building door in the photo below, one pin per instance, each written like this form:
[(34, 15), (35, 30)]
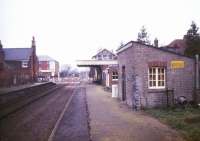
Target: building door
[(123, 84), (107, 78)]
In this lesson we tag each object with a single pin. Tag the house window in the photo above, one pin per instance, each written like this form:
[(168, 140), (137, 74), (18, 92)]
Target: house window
[(156, 77), (24, 64), (115, 76), (104, 56), (99, 57), (110, 56)]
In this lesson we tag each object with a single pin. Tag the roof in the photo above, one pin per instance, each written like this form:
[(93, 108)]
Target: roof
[(130, 44), (45, 58), (102, 51), (178, 46), (178, 43), (17, 54)]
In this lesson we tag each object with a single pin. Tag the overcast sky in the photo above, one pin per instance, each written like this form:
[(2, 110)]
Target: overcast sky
[(68, 30)]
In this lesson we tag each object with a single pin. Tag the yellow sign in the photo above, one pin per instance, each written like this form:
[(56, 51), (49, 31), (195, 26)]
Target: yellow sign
[(177, 64)]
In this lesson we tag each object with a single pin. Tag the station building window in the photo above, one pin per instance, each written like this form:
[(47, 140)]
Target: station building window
[(156, 77), (115, 75)]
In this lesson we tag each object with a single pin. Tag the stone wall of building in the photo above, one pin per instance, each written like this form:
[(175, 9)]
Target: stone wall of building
[(136, 60)]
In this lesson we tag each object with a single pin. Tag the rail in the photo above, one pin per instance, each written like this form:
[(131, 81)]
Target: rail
[(12, 101)]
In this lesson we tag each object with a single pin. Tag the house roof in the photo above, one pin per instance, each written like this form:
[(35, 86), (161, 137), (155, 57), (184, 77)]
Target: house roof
[(178, 43), (17, 54), (130, 44), (45, 58), (177, 46), (102, 51)]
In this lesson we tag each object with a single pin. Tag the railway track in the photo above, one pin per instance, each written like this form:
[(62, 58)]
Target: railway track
[(36, 119), (14, 101)]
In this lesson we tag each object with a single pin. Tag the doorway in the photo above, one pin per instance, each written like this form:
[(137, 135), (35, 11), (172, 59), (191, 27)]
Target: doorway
[(107, 78), (123, 83)]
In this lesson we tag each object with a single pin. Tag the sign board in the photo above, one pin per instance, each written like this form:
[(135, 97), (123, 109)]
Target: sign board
[(177, 64)]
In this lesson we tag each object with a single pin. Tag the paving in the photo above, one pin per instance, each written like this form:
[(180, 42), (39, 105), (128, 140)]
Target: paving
[(111, 120), (74, 124)]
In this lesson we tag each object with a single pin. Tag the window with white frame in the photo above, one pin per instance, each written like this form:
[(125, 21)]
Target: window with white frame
[(24, 64), (115, 75), (156, 78)]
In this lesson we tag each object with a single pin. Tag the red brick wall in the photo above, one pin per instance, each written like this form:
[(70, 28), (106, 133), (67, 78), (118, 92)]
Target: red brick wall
[(5, 78), (43, 65)]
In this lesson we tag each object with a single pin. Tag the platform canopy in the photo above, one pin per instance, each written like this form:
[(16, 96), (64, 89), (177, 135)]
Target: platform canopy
[(88, 63)]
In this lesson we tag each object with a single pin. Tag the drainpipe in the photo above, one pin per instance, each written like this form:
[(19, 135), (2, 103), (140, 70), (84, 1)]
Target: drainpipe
[(197, 71), (196, 96)]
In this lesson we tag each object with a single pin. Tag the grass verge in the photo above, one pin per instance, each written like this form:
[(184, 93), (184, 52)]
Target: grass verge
[(186, 121)]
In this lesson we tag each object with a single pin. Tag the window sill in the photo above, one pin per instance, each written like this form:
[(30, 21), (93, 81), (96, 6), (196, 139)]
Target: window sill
[(156, 90), (25, 67)]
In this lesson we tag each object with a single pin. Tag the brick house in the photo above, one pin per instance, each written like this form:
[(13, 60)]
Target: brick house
[(177, 45), (146, 72), (18, 65), (48, 68)]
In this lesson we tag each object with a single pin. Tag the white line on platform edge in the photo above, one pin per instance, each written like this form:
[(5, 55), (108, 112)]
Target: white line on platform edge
[(60, 118)]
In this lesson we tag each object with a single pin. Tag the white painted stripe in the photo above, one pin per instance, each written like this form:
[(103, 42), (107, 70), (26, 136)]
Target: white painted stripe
[(96, 62), (60, 118)]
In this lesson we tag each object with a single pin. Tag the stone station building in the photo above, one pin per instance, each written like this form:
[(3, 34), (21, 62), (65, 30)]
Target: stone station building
[(147, 72)]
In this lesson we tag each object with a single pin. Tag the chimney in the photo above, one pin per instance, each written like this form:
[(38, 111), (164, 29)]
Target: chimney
[(34, 60), (2, 56), (156, 42), (33, 42), (1, 46)]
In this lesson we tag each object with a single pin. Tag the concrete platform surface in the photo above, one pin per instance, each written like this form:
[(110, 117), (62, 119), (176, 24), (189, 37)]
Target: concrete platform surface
[(112, 121)]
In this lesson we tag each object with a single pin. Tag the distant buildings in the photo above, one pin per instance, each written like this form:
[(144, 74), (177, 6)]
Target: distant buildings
[(18, 65), (103, 68), (104, 54), (22, 66), (48, 68)]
